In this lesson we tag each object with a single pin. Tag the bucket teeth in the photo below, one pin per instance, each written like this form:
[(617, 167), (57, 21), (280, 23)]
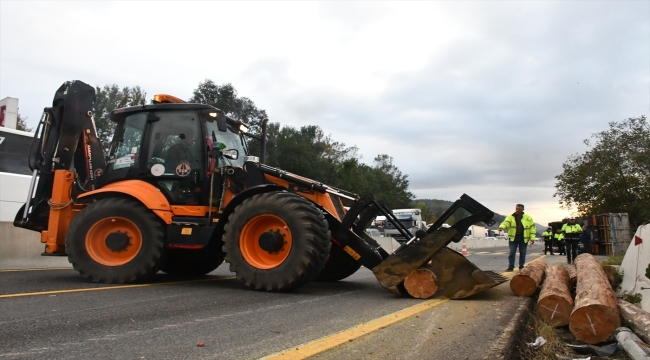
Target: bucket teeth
[(497, 278)]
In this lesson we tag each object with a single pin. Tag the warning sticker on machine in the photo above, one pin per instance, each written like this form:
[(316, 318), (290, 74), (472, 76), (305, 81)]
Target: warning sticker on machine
[(183, 169), (157, 169), (352, 253)]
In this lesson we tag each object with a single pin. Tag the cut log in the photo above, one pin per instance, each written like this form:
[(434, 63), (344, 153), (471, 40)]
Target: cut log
[(636, 318), (421, 283), (595, 315), (555, 302), (525, 283), (573, 275)]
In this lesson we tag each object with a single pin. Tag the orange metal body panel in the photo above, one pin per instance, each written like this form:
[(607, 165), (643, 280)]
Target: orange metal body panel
[(61, 212), (197, 211), (323, 199), (147, 194), (153, 199)]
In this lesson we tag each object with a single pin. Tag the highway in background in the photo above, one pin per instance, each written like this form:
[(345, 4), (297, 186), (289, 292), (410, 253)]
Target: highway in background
[(57, 314)]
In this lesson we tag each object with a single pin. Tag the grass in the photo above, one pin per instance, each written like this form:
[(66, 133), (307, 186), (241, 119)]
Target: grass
[(632, 298), (554, 344), (615, 259)]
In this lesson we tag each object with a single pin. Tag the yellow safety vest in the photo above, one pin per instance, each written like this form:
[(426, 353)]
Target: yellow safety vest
[(571, 229), (526, 221)]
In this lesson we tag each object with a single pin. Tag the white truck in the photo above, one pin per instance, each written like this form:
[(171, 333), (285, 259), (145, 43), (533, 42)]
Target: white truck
[(476, 232), (410, 218)]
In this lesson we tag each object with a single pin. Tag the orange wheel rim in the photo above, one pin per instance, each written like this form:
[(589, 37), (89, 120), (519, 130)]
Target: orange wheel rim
[(113, 241), (265, 241)]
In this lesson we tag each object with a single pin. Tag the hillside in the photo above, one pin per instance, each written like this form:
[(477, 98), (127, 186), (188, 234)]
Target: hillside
[(436, 208)]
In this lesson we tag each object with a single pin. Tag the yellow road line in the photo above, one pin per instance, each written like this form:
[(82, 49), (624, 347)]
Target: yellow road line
[(55, 292), (36, 269), (328, 342)]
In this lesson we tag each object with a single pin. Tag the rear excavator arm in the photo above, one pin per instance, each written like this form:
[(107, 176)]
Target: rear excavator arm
[(65, 151)]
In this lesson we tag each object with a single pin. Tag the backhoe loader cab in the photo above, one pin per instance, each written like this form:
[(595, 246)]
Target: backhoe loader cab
[(168, 146), (179, 192)]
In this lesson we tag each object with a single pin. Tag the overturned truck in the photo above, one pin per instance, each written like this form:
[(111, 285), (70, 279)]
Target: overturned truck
[(179, 192)]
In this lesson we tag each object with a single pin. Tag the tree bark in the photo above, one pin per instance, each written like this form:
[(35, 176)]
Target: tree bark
[(637, 318), (525, 283), (555, 302), (573, 275), (595, 315), (421, 283)]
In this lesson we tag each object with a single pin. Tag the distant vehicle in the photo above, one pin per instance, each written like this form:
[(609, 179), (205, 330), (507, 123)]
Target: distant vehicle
[(476, 232), (410, 218), (15, 174), (373, 232)]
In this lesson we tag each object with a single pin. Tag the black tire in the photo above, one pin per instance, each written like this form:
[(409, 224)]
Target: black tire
[(191, 262), (96, 257), (339, 265), (306, 232)]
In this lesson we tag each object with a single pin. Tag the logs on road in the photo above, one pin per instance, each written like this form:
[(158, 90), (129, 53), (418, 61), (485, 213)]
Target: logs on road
[(637, 319), (595, 315), (421, 283), (525, 283), (555, 301), (573, 275)]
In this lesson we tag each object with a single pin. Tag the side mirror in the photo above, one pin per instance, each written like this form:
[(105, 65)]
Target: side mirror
[(219, 117), (232, 154)]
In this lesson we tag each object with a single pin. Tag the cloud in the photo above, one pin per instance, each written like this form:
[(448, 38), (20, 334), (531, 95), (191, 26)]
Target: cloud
[(487, 98)]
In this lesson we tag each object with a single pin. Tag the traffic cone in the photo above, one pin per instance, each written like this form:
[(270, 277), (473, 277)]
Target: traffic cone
[(464, 251)]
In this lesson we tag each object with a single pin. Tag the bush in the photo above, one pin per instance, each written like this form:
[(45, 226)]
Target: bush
[(615, 259)]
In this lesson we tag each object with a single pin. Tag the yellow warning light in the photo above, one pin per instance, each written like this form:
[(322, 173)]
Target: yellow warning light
[(164, 98)]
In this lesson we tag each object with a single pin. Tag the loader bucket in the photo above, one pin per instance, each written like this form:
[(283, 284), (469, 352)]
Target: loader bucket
[(457, 277)]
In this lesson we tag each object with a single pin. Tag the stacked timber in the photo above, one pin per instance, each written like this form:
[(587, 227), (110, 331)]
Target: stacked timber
[(595, 315), (555, 301), (637, 318), (421, 283), (525, 283)]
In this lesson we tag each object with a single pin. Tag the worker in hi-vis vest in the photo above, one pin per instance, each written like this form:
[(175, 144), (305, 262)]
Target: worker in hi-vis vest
[(548, 240), (571, 233), (559, 240), (521, 229)]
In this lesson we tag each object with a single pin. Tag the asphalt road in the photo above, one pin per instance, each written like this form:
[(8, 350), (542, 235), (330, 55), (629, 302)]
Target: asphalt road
[(57, 314)]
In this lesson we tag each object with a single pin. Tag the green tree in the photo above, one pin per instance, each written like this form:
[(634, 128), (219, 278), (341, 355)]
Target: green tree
[(225, 98), (21, 124), (109, 98), (613, 175)]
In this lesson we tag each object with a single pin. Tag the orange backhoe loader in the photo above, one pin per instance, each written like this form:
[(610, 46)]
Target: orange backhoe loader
[(179, 192)]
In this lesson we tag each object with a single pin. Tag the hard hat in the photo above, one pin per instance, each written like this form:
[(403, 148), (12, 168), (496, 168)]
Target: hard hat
[(572, 217)]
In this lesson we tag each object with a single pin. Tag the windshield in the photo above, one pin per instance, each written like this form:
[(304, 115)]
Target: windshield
[(127, 141), (232, 139)]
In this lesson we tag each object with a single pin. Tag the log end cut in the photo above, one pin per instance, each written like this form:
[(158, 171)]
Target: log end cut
[(421, 283), (555, 310), (522, 285), (593, 324)]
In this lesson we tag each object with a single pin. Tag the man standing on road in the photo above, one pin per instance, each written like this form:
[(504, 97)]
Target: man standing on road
[(521, 229), (572, 238), (559, 240), (548, 240), (585, 239)]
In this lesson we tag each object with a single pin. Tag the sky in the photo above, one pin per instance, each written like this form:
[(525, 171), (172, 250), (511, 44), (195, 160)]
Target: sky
[(487, 98)]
